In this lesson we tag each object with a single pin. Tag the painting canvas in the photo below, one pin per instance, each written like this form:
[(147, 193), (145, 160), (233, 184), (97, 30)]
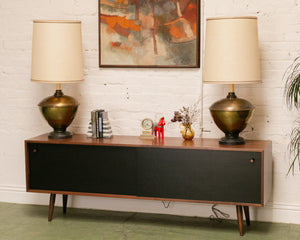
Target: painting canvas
[(149, 33)]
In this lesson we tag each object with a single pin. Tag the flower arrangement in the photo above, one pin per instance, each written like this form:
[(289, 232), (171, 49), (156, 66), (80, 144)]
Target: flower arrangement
[(187, 115)]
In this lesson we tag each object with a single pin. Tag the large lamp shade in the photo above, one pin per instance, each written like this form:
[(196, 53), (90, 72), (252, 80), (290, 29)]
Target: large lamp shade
[(231, 51), (56, 52)]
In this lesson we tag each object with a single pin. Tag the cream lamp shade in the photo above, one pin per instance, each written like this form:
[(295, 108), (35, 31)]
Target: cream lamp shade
[(231, 51), (56, 52)]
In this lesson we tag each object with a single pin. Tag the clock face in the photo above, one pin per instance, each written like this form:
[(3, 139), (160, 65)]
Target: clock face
[(147, 124)]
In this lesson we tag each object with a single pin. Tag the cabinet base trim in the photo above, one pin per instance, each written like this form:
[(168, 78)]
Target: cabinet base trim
[(145, 198)]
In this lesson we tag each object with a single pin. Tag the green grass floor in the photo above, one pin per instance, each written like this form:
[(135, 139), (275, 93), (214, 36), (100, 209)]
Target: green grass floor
[(30, 222)]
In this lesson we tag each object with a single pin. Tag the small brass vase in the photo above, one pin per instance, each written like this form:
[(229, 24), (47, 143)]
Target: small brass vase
[(186, 131)]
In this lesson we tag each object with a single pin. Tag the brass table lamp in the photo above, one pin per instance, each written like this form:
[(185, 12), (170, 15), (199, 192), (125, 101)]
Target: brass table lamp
[(57, 58), (231, 57)]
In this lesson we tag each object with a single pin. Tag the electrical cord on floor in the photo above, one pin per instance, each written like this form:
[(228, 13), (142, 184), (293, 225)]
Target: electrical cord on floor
[(166, 204), (218, 215)]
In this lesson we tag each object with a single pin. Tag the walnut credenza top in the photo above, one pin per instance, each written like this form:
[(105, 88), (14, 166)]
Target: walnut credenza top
[(167, 142)]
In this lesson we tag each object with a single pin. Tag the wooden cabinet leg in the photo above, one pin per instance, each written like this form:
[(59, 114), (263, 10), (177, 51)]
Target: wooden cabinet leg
[(247, 215), (51, 206), (239, 211), (65, 201)]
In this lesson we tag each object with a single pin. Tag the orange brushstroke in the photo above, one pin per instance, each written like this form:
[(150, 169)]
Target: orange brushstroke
[(115, 44), (122, 21), (172, 22), (121, 46), (177, 32), (190, 14)]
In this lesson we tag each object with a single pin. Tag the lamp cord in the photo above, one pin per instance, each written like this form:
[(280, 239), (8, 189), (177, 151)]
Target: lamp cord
[(218, 215)]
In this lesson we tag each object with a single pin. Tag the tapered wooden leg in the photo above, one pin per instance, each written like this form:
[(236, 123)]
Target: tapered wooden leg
[(51, 206), (239, 211), (247, 215), (65, 201)]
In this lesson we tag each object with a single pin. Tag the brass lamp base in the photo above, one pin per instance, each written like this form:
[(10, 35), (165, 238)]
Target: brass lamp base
[(59, 110), (59, 135), (231, 115), (232, 140)]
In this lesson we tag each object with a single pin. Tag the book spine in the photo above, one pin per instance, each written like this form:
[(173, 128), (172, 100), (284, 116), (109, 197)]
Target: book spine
[(94, 124), (100, 124), (97, 124)]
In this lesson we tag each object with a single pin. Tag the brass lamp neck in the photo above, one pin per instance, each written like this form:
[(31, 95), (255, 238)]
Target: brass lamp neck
[(58, 86), (231, 95), (231, 87), (58, 93)]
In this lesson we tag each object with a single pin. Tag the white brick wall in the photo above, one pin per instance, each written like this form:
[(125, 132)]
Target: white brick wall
[(132, 94)]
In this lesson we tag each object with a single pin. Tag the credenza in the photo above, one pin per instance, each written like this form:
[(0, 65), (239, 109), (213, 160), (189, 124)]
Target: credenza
[(170, 170)]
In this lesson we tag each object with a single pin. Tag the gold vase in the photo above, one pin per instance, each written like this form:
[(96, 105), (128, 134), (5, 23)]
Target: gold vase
[(186, 131)]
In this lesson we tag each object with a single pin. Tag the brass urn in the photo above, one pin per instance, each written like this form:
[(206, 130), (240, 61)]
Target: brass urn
[(59, 110), (231, 115)]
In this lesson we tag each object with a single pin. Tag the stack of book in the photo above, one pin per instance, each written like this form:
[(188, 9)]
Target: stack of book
[(99, 126)]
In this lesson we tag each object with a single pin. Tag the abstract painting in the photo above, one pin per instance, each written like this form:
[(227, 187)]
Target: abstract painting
[(149, 33)]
